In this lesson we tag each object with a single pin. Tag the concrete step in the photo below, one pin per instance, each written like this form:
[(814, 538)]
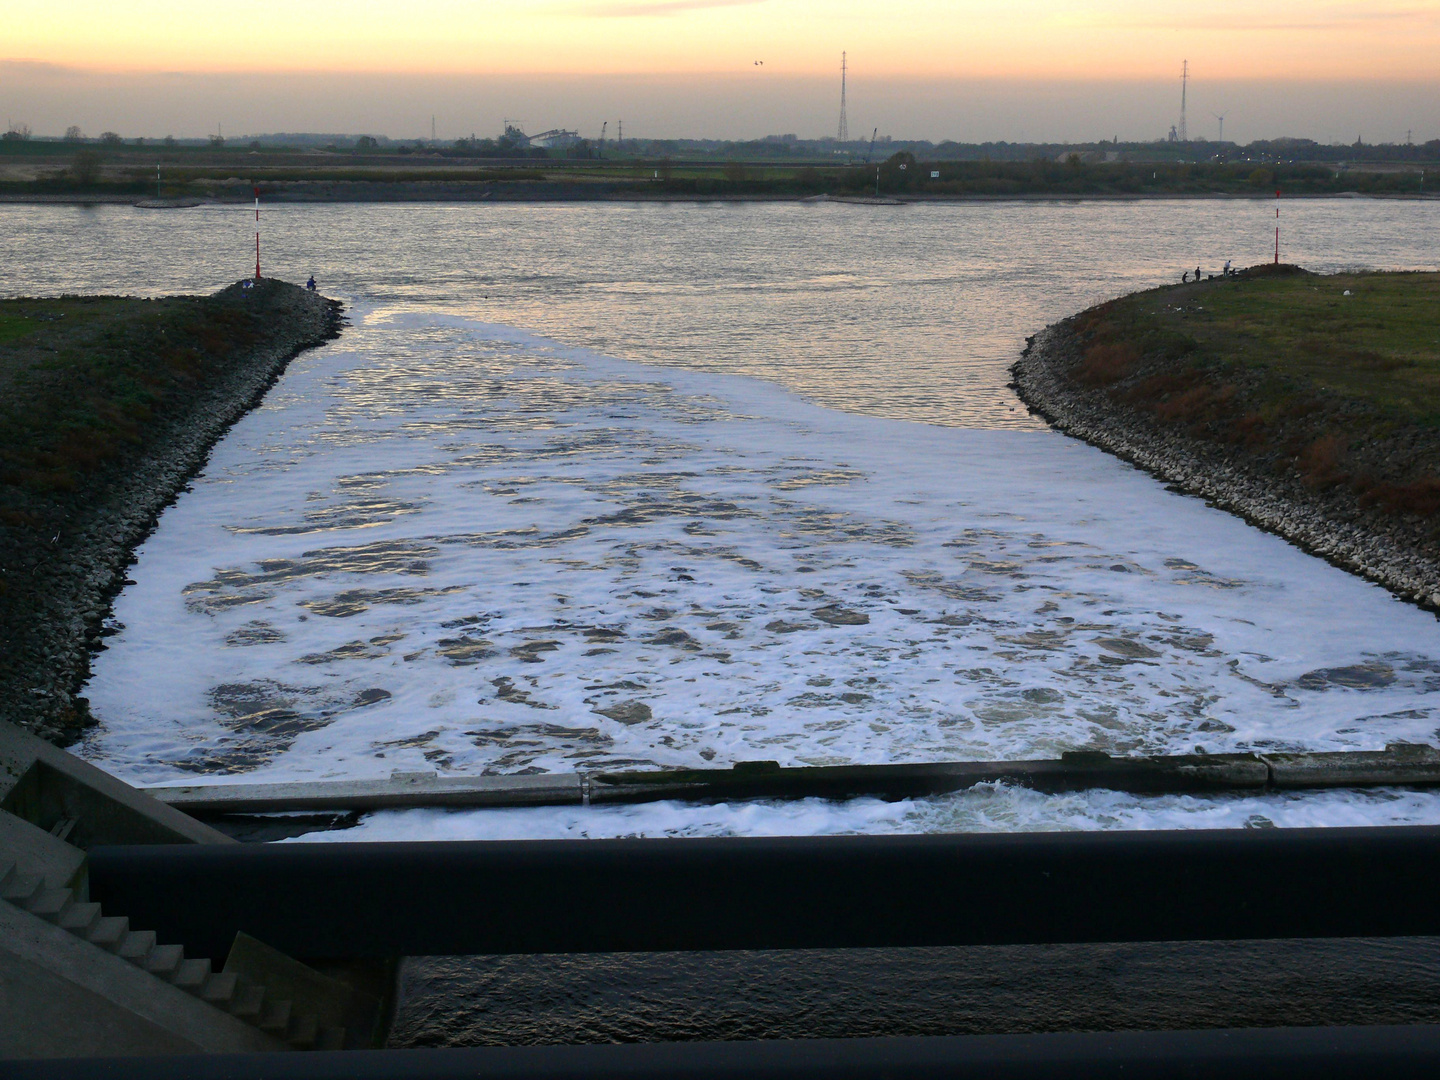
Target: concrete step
[(275, 1018), (248, 1003), (190, 976), (158, 998), (80, 919), (109, 931), (50, 904), (164, 960), (304, 1030), (22, 888), (307, 994), (219, 989), (62, 829), (137, 946)]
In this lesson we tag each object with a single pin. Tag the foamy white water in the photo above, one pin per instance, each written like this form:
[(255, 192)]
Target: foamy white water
[(452, 545)]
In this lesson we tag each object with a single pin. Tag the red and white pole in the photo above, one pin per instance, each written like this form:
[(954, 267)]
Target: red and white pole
[(1277, 230), (257, 234)]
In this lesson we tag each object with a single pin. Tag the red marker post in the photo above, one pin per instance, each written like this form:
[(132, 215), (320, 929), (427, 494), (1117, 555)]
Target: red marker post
[(257, 233)]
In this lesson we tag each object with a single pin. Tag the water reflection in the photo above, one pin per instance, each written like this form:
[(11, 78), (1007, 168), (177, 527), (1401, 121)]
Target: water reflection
[(912, 312)]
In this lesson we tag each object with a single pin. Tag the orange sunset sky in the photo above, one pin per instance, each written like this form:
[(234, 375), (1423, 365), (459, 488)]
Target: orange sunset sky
[(1328, 69)]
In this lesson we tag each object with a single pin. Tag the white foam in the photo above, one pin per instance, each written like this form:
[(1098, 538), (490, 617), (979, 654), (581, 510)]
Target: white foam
[(986, 808), (406, 546)]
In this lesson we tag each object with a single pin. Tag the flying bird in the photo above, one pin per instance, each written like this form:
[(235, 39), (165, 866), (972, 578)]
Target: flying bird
[(759, 63)]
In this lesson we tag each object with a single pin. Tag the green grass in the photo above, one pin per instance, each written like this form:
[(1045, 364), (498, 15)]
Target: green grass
[(1285, 369), (83, 380), (1379, 345), (14, 326)]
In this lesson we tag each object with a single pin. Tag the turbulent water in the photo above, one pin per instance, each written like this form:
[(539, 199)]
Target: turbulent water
[(523, 516)]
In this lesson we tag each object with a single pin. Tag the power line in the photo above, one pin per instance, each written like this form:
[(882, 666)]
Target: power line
[(843, 134)]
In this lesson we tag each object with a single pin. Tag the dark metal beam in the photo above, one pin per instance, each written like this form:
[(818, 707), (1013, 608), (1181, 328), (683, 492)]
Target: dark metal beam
[(367, 899), (1363, 1053)]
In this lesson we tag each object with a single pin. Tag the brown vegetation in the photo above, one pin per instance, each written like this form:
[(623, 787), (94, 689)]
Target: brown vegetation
[(1334, 382)]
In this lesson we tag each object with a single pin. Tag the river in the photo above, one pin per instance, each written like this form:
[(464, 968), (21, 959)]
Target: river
[(650, 485)]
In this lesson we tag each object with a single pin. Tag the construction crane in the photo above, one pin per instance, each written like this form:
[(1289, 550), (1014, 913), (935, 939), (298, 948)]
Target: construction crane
[(871, 151)]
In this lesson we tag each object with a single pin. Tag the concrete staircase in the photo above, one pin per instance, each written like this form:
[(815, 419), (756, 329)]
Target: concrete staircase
[(229, 991), (76, 981), (235, 992)]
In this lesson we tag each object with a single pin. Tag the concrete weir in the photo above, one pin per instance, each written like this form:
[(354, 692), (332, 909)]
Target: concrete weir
[(1400, 764), (77, 980)]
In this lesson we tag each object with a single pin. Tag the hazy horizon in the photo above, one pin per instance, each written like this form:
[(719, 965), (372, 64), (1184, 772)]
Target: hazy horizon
[(1030, 70), (51, 97)]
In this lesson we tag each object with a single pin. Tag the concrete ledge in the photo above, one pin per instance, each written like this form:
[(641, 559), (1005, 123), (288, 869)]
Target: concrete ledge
[(1071, 772), (400, 789), (1338, 1053), (50, 788), (1399, 765)]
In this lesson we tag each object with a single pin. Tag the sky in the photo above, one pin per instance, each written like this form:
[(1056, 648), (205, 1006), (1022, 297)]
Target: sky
[(965, 69)]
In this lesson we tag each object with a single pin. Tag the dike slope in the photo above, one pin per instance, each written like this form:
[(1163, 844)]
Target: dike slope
[(108, 406), (1308, 405)]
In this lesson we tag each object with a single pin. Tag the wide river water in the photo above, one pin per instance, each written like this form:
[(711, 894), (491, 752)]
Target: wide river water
[(526, 515)]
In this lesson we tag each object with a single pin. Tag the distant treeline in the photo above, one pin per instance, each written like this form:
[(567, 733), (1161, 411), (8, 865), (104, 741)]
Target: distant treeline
[(513, 145)]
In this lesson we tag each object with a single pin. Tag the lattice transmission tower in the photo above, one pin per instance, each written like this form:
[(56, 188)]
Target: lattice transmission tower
[(1184, 82), (843, 134)]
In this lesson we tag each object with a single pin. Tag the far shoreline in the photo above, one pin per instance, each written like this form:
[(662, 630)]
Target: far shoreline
[(422, 193)]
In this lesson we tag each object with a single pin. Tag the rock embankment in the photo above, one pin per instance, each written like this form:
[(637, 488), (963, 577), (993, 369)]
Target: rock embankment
[(69, 525), (1396, 551)]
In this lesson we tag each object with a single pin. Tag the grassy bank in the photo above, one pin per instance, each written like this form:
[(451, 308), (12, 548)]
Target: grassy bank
[(1334, 380), (107, 405), (1307, 404), (86, 382)]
